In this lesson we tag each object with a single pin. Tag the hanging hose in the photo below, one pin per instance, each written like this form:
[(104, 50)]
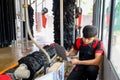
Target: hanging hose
[(29, 32)]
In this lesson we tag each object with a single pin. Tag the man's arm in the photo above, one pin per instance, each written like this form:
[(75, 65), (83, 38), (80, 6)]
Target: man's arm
[(96, 61), (72, 52)]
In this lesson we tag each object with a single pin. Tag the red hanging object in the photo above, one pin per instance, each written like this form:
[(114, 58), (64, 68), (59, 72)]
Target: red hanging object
[(79, 20), (44, 20)]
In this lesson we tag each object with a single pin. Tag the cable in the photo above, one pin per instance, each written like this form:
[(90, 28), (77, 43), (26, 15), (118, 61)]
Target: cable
[(29, 32)]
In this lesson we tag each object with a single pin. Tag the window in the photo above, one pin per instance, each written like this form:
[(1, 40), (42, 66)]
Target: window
[(106, 24), (115, 46)]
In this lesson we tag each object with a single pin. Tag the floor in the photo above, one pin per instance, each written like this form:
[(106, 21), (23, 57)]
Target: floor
[(10, 55)]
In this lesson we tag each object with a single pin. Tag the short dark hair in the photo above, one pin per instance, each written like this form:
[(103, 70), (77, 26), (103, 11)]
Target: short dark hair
[(89, 31)]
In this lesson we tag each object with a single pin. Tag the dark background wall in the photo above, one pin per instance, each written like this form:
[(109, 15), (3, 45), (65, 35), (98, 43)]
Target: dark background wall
[(7, 22)]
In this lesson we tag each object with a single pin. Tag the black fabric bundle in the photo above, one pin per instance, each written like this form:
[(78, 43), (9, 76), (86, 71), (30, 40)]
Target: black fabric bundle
[(69, 6), (36, 60)]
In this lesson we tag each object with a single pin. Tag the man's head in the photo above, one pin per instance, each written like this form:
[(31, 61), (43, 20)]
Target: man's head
[(89, 33)]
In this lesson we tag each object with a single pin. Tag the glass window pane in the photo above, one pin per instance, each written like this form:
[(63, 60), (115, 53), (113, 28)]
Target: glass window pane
[(115, 56), (106, 24)]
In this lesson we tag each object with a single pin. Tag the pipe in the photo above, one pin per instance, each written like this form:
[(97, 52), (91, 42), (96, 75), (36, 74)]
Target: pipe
[(28, 30), (21, 24), (61, 23), (74, 27)]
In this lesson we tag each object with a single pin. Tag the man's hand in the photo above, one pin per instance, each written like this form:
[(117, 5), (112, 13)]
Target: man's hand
[(75, 61), (72, 52), (67, 53)]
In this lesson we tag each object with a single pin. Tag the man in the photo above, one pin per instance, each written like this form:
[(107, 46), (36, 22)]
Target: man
[(90, 53)]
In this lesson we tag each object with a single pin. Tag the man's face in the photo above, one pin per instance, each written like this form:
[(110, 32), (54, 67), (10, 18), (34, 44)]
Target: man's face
[(88, 40)]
